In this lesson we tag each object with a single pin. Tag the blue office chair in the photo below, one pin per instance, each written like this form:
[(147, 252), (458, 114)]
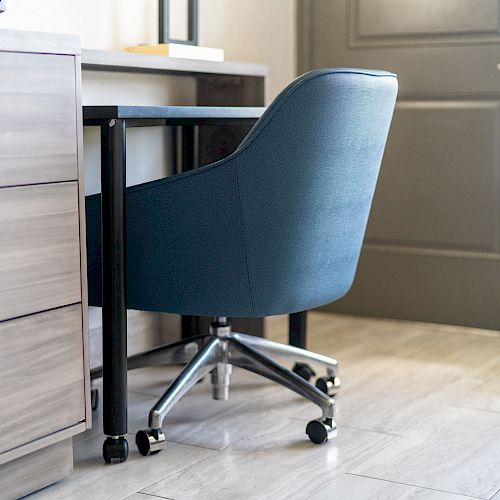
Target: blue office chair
[(274, 228)]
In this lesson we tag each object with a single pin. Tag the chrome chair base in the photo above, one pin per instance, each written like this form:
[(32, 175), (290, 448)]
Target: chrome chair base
[(216, 354)]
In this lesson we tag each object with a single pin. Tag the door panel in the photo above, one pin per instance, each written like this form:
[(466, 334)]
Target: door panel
[(417, 21), (426, 286), (432, 251), (439, 193)]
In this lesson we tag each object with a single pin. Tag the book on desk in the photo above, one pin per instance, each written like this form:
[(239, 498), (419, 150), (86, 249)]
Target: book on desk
[(179, 50)]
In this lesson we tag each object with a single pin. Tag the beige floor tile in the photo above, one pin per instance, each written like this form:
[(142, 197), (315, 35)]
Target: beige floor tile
[(277, 463), (402, 395), (363, 347), (456, 450), (398, 378), (396, 374), (419, 385), (485, 396), (199, 420), (353, 487), (92, 479)]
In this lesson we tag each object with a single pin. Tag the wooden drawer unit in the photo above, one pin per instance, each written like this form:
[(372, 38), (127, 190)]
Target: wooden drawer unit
[(36, 470), (44, 365), (41, 370), (38, 141), (39, 248)]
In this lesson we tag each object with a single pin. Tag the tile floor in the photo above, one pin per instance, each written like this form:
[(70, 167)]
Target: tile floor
[(418, 415)]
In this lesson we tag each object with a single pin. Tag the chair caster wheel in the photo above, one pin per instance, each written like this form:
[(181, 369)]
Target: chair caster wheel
[(328, 385), (304, 370), (115, 450), (150, 441), (320, 430), (94, 398)]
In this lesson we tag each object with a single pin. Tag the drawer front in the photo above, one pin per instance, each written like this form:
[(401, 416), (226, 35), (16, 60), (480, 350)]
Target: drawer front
[(38, 141), (36, 470), (39, 248), (41, 369)]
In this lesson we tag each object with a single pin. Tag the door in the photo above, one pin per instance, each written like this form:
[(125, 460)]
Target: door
[(432, 249)]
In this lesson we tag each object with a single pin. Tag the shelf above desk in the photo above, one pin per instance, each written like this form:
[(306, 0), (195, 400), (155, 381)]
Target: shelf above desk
[(107, 60)]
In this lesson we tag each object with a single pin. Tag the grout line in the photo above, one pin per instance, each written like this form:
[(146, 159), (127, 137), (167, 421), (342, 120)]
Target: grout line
[(326, 485), (495, 493), (180, 472), (181, 443), (417, 486), (483, 410), (375, 452), (198, 446), (392, 434), (344, 426), (151, 495)]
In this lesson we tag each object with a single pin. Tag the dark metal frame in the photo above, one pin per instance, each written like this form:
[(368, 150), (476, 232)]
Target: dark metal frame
[(113, 122), (297, 329), (163, 31), (114, 306)]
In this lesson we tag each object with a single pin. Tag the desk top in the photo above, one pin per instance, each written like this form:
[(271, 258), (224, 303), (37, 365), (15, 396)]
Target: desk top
[(173, 115)]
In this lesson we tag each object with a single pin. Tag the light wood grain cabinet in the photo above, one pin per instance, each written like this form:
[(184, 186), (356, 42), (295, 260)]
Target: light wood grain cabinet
[(39, 248), (38, 139), (36, 470), (41, 370), (44, 372)]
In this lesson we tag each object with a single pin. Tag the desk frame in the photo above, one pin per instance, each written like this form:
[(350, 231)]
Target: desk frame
[(113, 122)]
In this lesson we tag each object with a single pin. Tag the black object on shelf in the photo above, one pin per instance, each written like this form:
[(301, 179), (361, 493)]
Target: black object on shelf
[(165, 15)]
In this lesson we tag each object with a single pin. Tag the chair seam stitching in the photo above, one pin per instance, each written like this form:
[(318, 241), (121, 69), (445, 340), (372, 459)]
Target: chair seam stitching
[(244, 239)]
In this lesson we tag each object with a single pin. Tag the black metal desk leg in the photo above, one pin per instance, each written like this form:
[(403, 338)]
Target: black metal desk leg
[(297, 336), (114, 306), (297, 329), (190, 325)]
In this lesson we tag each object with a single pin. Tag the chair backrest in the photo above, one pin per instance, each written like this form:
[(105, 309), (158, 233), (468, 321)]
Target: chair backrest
[(274, 228), (307, 183)]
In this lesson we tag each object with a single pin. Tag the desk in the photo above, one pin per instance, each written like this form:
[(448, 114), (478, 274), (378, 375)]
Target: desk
[(114, 121), (114, 77)]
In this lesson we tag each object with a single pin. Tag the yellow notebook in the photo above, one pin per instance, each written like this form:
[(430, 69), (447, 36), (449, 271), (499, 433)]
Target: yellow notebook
[(179, 50)]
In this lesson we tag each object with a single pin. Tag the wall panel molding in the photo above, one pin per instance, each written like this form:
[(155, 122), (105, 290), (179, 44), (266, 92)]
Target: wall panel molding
[(422, 22), (448, 199)]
